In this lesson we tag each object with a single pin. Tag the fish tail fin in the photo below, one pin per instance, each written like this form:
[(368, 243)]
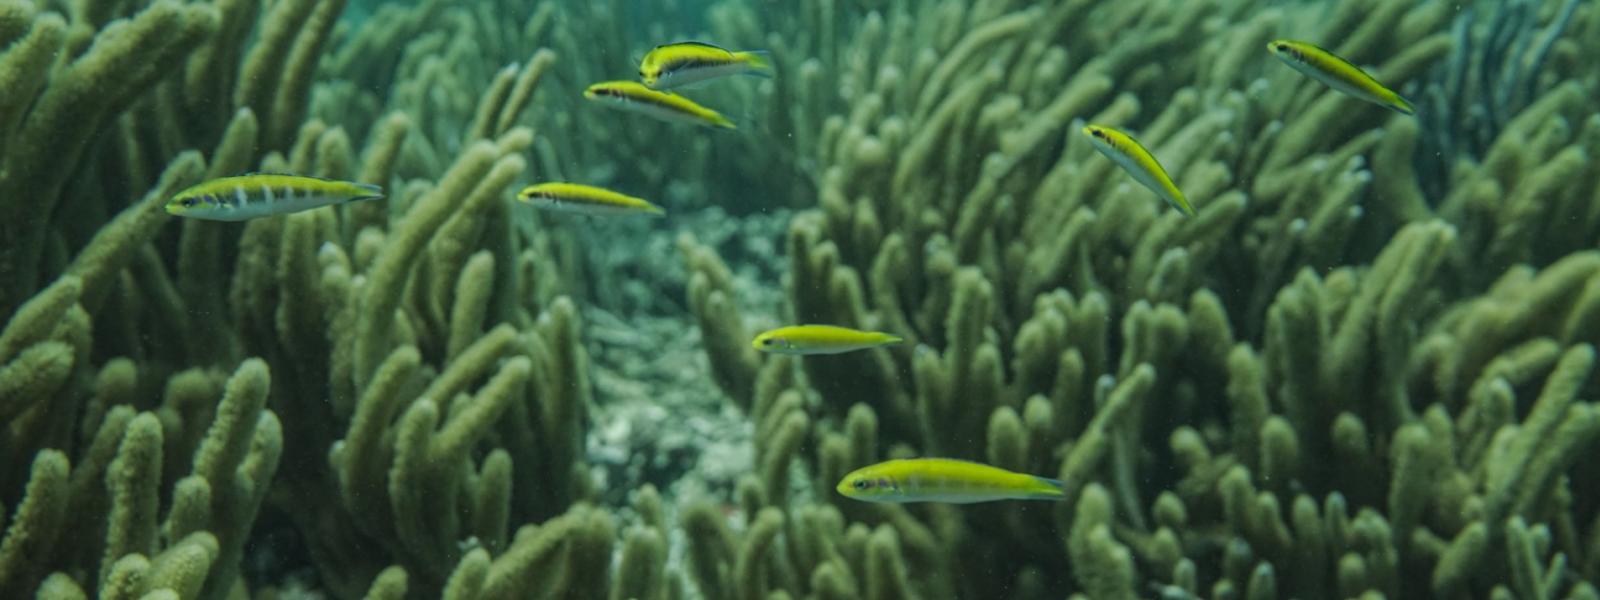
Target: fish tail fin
[(891, 339), (722, 122), (1181, 203), (1401, 105), (367, 191), (760, 62), (1051, 488)]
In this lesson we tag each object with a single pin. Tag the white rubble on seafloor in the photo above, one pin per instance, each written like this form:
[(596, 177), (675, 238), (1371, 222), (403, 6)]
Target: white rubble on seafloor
[(658, 415)]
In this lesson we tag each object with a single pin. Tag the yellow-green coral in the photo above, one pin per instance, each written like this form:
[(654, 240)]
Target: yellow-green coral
[(1341, 365)]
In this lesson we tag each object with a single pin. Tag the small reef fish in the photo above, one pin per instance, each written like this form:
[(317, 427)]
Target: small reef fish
[(585, 199), (1337, 73), (667, 106), (1133, 158), (820, 339), (674, 65), (253, 195), (944, 480)]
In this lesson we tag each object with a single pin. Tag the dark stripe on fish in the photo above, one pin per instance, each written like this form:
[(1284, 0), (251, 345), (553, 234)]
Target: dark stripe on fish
[(662, 102), (559, 198), (626, 97), (693, 63)]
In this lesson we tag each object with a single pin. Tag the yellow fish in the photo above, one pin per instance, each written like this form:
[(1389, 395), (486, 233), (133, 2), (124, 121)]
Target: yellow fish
[(254, 195), (944, 480), (667, 106), (820, 339), (1133, 158), (1337, 73), (585, 199), (684, 63)]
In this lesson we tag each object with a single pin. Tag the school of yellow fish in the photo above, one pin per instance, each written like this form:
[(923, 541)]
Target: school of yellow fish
[(684, 64)]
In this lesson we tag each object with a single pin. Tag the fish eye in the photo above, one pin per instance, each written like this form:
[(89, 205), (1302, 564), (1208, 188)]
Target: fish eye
[(769, 341), (862, 484), (1283, 47), (186, 202), (1097, 133)]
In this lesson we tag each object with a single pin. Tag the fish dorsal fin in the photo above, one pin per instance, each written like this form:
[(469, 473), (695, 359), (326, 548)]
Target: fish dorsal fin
[(949, 459), (941, 458), (283, 174), (695, 43)]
